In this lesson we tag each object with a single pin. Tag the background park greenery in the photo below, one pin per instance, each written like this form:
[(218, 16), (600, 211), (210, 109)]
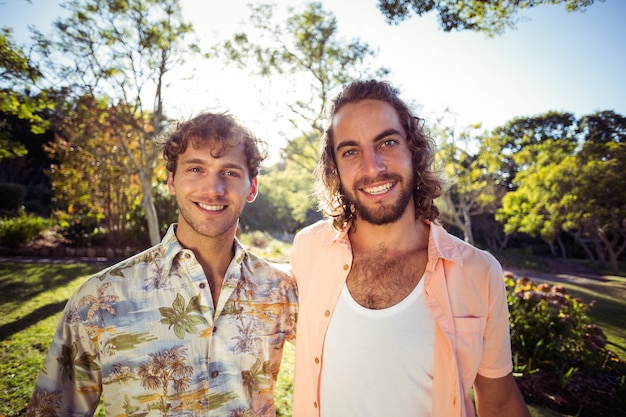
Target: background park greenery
[(79, 108)]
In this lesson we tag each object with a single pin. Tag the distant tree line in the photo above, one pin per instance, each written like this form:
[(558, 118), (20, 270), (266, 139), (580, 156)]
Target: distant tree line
[(76, 131)]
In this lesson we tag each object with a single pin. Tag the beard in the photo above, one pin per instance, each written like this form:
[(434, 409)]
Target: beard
[(379, 213)]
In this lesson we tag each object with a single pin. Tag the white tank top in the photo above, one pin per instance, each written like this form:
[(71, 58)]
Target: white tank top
[(378, 362)]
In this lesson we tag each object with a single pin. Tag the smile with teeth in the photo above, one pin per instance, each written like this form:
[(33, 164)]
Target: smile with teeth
[(211, 207), (379, 189)]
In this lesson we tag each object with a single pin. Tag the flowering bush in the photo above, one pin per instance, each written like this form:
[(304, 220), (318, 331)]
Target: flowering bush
[(560, 357), (551, 328)]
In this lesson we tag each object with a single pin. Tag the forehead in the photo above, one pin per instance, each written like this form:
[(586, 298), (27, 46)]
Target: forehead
[(365, 118), (214, 151)]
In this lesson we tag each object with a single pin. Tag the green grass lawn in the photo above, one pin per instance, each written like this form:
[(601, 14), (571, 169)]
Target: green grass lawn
[(32, 297)]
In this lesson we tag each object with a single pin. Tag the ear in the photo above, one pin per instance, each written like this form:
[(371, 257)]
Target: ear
[(254, 190), (170, 183)]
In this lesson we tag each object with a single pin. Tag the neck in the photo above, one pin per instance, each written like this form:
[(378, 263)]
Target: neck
[(406, 234), (213, 253)]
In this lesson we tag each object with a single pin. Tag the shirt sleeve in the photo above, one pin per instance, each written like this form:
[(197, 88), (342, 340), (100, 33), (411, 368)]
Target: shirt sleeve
[(496, 360), (70, 382)]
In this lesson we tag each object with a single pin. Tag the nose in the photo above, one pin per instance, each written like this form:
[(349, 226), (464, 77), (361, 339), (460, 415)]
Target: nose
[(213, 186), (373, 163)]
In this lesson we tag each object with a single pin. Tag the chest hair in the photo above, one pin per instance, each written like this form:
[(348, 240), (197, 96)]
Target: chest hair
[(382, 278)]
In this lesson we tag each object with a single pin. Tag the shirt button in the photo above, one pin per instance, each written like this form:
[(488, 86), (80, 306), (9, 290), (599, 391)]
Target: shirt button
[(317, 360), (214, 329), (315, 404), (327, 313), (202, 285), (214, 374), (346, 267), (188, 255)]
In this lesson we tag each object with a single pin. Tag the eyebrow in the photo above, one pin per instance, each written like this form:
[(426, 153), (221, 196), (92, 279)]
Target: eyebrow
[(381, 135), (200, 161)]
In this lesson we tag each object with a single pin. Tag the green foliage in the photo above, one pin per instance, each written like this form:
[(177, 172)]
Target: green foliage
[(489, 17), (80, 226), (12, 197), (285, 201), (551, 330), (264, 245), (18, 76), (565, 175), (16, 231)]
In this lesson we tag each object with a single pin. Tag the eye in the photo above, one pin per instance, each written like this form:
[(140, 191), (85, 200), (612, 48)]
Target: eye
[(232, 173), (348, 153), (387, 143), (195, 169)]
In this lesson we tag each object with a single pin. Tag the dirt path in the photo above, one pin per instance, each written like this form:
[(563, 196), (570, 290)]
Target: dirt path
[(564, 271)]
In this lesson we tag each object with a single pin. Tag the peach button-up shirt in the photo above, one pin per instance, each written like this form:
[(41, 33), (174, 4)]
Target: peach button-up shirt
[(463, 286)]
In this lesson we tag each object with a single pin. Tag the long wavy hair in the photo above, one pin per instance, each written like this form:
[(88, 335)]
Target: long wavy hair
[(221, 129), (429, 182)]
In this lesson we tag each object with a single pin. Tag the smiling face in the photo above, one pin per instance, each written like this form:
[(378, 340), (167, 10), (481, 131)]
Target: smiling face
[(374, 161), (211, 186)]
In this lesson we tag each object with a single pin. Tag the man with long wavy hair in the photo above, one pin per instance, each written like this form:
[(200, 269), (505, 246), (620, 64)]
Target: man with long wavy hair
[(397, 317)]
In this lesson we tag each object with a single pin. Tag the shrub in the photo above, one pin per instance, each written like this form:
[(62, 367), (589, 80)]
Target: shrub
[(12, 197), (551, 328), (80, 227), (559, 356), (16, 231)]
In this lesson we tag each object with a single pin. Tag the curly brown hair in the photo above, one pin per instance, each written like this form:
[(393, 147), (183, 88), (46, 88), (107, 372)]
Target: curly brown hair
[(216, 128), (429, 182)]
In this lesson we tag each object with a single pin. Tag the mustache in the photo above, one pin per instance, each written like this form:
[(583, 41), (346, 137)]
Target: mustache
[(366, 181)]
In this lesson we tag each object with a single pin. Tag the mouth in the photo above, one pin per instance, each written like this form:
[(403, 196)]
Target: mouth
[(379, 189), (211, 207)]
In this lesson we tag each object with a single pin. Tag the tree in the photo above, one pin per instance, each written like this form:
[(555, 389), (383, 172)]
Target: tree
[(307, 52), (516, 145), (472, 191), (573, 184), (527, 152), (285, 202), (535, 206), (596, 206), (92, 174), (489, 17), (122, 50), (17, 78)]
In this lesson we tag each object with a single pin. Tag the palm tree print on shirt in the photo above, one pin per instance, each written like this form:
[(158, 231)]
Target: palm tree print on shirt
[(164, 368)]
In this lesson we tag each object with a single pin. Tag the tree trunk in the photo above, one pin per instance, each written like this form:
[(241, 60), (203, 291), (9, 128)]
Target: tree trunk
[(147, 201), (579, 239), (611, 252), (559, 241)]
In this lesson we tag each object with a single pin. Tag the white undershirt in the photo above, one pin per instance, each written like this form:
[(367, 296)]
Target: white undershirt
[(378, 362)]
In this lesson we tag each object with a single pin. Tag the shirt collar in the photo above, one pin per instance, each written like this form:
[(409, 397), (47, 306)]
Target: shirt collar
[(440, 243), (171, 249)]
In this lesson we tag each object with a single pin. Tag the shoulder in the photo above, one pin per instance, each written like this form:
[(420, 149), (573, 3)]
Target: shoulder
[(455, 250), (317, 232), (134, 266), (258, 263)]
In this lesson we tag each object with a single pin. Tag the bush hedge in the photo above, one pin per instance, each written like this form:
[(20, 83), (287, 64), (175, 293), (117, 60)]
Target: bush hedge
[(560, 357), (16, 231)]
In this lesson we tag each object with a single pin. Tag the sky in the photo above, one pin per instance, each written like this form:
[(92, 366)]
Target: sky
[(554, 60)]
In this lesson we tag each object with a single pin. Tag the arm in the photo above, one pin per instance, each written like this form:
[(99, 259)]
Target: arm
[(497, 397)]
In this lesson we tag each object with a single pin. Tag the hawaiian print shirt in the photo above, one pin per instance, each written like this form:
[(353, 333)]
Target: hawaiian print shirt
[(144, 333)]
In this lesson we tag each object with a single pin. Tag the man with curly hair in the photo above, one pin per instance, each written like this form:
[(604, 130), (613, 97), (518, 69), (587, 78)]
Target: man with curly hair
[(397, 317)]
